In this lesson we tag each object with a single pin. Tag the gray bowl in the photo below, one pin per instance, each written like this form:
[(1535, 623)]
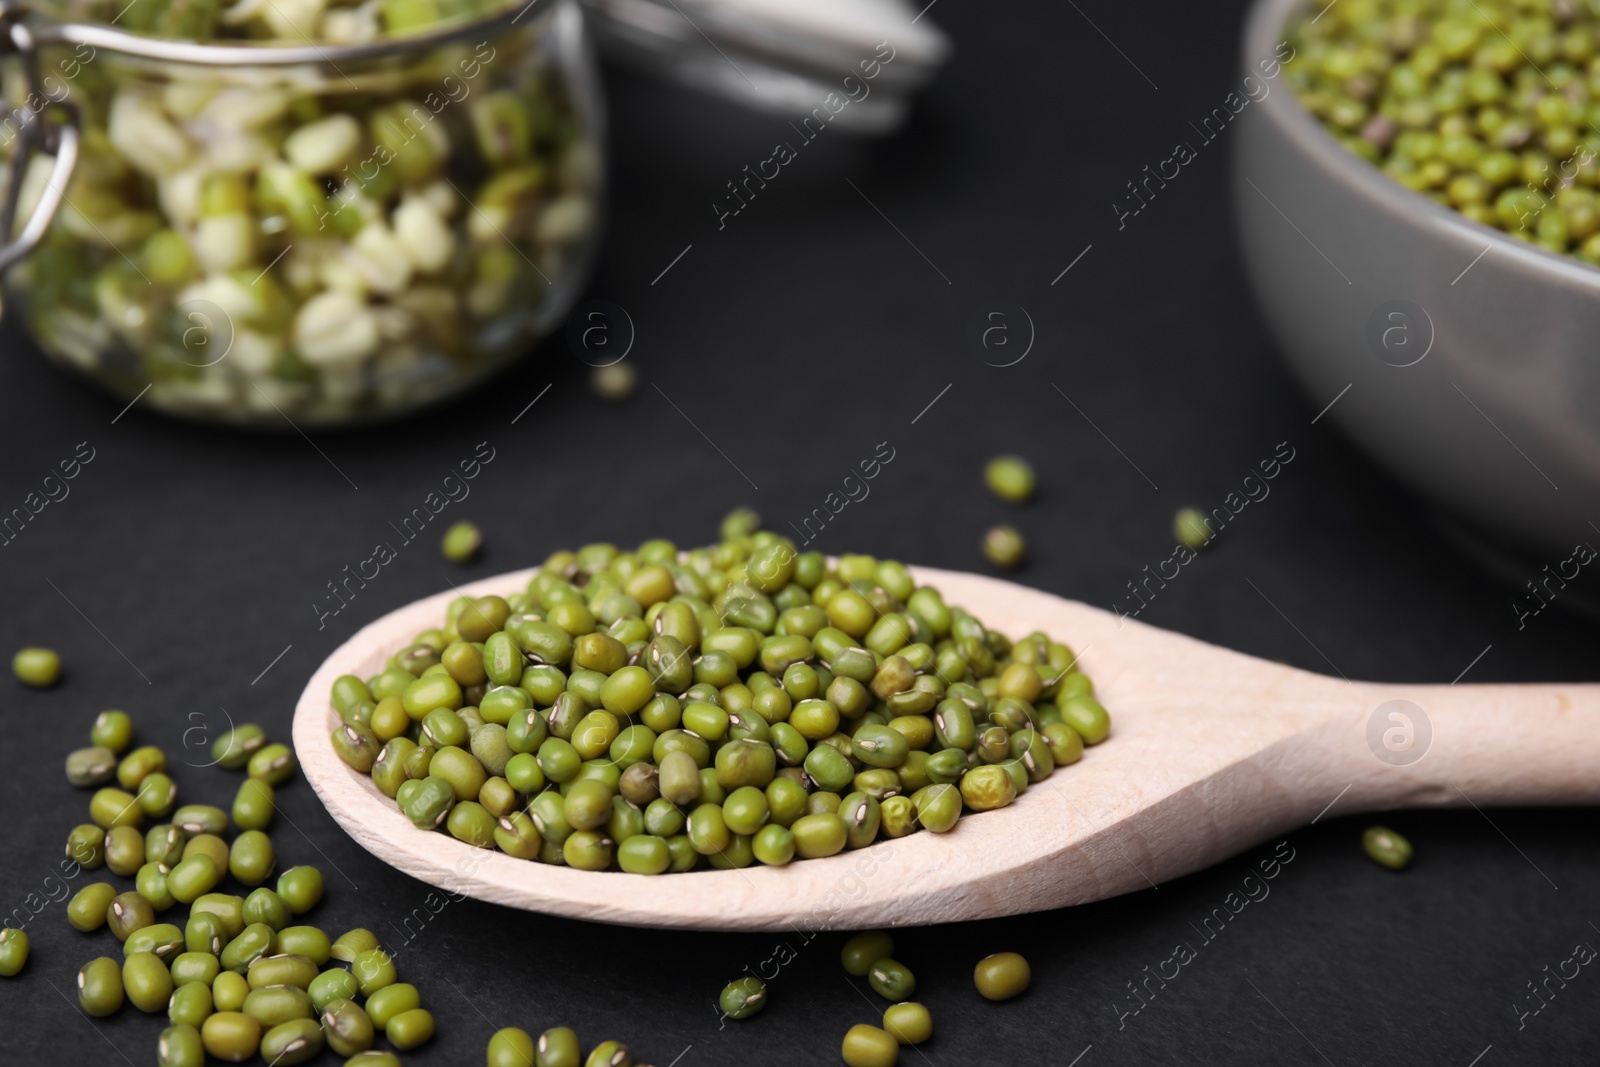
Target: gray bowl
[(1465, 361)]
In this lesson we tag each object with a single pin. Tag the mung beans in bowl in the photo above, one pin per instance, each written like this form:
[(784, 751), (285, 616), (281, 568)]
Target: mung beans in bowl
[(325, 211), (1415, 185)]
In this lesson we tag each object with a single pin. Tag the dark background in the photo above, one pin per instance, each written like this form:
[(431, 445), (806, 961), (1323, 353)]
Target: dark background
[(798, 338)]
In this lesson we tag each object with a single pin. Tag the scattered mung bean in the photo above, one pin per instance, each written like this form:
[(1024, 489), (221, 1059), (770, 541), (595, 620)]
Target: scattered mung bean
[(1386, 847)]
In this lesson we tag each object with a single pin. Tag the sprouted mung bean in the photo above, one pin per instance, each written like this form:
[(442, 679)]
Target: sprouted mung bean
[(1489, 107), (650, 712), (254, 242)]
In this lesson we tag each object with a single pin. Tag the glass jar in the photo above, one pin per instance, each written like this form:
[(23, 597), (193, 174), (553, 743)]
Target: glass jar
[(323, 232)]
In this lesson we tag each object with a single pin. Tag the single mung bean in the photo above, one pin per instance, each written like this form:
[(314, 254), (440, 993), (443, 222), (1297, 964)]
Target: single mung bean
[(138, 765), (211, 846), (891, 979), (113, 730), (271, 1005), (908, 1022), (146, 981), (231, 1036), (228, 991), (1002, 976), (13, 951), (1086, 715), (461, 542), (88, 768), (410, 1029), (190, 1002), (511, 1047), (373, 970), (88, 909), (352, 943), (86, 846), (251, 858), (129, 913), (348, 1028), (743, 997), (124, 851), (384, 1004), (157, 794), (1386, 847), (37, 667), (557, 1047), (295, 1041), (305, 941), (201, 819), (202, 967), (336, 983), (987, 788), (253, 942), (1010, 478), (111, 807), (272, 764), (266, 907), (868, 1046), (162, 940), (233, 749), (180, 1045), (226, 908), (193, 878), (609, 1054), (773, 845), (1003, 546), (301, 888), (254, 805), (283, 968), (1191, 528), (100, 991)]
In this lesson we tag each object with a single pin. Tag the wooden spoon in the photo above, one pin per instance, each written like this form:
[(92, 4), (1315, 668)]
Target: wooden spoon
[(1210, 753)]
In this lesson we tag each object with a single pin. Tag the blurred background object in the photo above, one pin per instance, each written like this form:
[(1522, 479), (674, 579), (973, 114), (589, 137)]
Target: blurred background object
[(781, 56), (1458, 357)]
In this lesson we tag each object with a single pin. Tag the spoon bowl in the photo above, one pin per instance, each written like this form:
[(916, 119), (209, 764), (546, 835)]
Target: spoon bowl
[(1211, 752)]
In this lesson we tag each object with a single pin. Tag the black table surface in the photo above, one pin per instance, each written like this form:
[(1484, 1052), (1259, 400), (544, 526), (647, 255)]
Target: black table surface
[(179, 577)]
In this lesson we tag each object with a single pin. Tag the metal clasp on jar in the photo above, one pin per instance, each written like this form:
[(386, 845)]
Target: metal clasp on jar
[(32, 133)]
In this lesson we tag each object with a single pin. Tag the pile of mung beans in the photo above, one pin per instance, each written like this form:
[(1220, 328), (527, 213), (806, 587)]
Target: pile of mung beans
[(241, 975), (250, 242), (650, 711), (1491, 107)]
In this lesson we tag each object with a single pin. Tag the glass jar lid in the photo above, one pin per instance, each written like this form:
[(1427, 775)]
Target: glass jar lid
[(855, 63)]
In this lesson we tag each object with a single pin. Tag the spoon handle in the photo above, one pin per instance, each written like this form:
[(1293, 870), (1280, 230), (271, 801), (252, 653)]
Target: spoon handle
[(1460, 745)]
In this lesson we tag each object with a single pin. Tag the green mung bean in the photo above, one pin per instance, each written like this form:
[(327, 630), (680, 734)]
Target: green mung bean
[(1386, 847), (37, 667), (757, 705), (1002, 976)]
